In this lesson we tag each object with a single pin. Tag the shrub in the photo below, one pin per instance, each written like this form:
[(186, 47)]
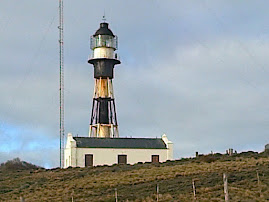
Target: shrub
[(208, 159), (16, 165)]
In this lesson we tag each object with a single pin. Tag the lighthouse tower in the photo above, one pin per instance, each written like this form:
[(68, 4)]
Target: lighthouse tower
[(103, 122), (104, 146)]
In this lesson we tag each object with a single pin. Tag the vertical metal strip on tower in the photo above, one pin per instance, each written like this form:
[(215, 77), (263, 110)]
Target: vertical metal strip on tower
[(61, 54)]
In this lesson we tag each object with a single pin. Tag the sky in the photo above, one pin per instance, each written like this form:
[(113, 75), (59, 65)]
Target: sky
[(195, 70)]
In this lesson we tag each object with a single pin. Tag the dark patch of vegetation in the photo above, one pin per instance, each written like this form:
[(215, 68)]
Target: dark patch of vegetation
[(17, 165)]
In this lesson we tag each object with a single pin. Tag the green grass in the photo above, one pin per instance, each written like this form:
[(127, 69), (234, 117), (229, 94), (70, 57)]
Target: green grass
[(138, 182)]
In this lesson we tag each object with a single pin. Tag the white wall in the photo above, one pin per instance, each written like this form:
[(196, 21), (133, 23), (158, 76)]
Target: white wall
[(170, 147), (75, 157), (103, 52), (103, 156), (70, 152)]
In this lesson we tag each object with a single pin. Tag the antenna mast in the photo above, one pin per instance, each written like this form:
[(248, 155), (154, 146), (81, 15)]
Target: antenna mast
[(61, 54)]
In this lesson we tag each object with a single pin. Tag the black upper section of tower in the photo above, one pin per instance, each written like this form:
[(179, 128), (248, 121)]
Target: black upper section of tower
[(103, 67), (104, 30)]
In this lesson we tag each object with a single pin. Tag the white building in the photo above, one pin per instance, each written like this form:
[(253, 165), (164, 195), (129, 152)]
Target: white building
[(92, 151)]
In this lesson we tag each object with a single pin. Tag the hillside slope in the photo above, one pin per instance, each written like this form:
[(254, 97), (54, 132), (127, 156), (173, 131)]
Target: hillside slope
[(138, 182)]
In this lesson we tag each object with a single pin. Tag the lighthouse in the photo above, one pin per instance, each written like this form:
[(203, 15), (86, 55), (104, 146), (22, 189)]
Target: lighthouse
[(103, 122), (103, 146)]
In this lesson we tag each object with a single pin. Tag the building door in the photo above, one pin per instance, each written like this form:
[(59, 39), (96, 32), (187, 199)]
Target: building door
[(122, 159), (88, 160), (155, 158)]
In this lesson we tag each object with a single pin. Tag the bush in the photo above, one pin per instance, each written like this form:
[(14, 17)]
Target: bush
[(17, 165), (208, 158)]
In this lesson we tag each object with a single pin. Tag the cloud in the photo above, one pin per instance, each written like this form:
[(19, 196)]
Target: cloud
[(210, 97), (196, 71)]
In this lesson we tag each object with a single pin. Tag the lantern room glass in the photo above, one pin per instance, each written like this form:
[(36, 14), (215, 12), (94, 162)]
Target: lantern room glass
[(104, 41)]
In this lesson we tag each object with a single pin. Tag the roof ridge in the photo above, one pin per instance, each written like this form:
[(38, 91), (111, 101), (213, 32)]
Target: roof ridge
[(151, 138)]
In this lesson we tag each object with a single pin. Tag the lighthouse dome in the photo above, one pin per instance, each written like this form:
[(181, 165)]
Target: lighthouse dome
[(104, 30)]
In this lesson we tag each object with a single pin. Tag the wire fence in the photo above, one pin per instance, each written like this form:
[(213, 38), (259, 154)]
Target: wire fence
[(158, 195)]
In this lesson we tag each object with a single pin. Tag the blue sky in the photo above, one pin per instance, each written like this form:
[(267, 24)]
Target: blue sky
[(195, 70)]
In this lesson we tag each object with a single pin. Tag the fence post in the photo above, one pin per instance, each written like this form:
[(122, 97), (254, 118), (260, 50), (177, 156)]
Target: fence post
[(225, 180), (157, 190), (21, 199), (72, 196), (193, 188), (259, 183), (116, 195)]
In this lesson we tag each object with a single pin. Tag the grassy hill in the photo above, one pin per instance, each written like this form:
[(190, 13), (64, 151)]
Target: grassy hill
[(138, 182)]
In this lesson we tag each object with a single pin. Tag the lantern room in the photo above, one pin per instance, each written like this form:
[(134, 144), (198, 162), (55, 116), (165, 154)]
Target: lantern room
[(104, 43)]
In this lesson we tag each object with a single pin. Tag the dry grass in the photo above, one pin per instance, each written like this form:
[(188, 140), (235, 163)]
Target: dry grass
[(138, 182)]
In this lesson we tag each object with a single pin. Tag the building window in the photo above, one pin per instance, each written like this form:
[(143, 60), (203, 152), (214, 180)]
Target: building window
[(88, 160), (155, 158), (122, 159)]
